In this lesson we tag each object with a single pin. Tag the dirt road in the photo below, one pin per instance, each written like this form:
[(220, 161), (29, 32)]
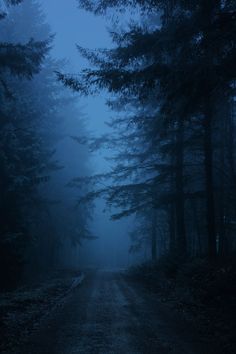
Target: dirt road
[(107, 315)]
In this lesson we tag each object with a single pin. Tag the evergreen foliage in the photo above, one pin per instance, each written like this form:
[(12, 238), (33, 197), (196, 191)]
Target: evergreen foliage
[(169, 73), (33, 107)]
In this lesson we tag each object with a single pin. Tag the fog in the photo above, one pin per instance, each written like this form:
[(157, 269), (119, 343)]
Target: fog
[(73, 26), (105, 163), (117, 176)]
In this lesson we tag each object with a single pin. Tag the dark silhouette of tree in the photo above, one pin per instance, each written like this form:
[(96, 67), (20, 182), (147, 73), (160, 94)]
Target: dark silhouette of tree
[(184, 64)]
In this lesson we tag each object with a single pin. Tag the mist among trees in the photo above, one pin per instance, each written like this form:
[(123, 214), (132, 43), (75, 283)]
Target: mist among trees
[(37, 117), (168, 80)]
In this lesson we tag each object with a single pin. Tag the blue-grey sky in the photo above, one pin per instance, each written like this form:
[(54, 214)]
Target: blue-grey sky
[(72, 26)]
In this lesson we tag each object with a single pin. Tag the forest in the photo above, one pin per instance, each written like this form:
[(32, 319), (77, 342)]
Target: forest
[(167, 134)]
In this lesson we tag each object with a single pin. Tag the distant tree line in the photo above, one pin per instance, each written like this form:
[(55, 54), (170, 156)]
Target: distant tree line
[(171, 74)]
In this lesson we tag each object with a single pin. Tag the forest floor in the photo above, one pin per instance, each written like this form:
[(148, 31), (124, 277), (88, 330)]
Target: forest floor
[(23, 309), (204, 294)]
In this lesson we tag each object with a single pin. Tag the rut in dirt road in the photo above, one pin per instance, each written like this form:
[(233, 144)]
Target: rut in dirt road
[(106, 315)]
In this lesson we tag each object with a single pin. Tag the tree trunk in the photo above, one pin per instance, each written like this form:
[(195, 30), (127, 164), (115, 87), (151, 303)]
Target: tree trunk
[(171, 208), (222, 199), (179, 185), (171, 222), (197, 228), (208, 164), (154, 237)]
